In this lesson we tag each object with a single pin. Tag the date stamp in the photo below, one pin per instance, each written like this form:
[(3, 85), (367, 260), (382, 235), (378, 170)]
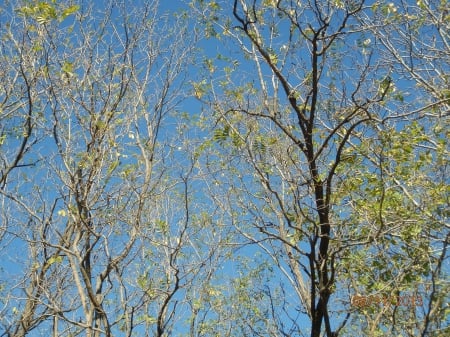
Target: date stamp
[(407, 300)]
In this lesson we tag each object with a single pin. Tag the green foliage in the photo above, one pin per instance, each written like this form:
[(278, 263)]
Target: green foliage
[(44, 12), (310, 162), (221, 135)]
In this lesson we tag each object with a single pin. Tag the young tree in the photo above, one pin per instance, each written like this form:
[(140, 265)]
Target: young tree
[(328, 159)]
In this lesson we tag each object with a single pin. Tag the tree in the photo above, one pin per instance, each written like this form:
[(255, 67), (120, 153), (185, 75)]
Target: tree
[(99, 211), (413, 41), (287, 176), (329, 157)]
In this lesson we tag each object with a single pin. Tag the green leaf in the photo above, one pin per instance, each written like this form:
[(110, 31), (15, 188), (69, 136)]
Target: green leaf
[(113, 166), (69, 11), (67, 68), (54, 259), (221, 135)]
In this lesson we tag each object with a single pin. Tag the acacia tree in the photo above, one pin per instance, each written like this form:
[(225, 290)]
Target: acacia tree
[(100, 229), (313, 123)]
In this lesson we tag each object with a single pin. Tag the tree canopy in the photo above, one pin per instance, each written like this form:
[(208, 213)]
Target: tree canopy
[(224, 168)]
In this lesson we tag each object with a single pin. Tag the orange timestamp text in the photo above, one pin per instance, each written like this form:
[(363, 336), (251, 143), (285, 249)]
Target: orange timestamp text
[(398, 300)]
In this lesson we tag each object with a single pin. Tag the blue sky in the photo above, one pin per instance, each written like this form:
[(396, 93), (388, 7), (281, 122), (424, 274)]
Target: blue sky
[(203, 191)]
